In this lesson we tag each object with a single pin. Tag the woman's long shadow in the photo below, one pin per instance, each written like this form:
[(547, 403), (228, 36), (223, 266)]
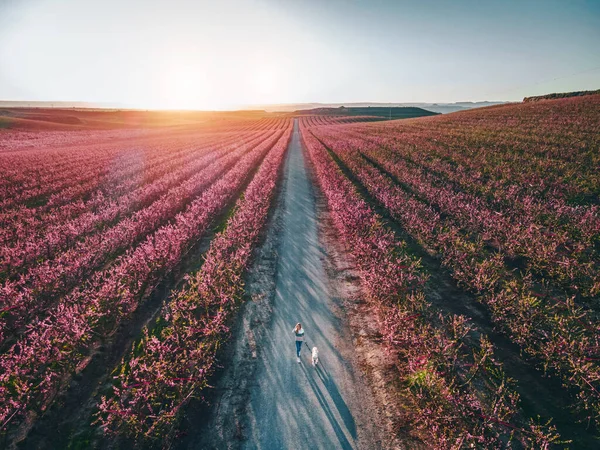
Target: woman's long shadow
[(339, 432), (337, 398)]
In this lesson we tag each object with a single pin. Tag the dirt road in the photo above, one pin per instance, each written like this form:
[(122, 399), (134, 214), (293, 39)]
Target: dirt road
[(294, 405)]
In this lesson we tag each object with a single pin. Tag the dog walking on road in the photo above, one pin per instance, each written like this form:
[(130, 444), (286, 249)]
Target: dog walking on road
[(315, 356)]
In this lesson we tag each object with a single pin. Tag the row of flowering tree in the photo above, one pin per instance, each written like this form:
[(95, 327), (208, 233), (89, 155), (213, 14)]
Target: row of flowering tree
[(29, 296), (173, 361), (61, 342), (319, 120), (50, 165), (121, 176), (557, 241), (459, 396), (545, 301), (47, 177), (37, 242)]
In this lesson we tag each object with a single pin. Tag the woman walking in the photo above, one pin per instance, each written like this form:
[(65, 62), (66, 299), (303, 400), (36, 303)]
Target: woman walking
[(299, 333)]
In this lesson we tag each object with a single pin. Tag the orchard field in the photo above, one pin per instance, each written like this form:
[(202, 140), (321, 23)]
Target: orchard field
[(127, 244), (505, 201)]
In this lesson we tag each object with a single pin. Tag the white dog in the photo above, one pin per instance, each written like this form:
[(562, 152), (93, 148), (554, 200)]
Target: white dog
[(315, 356)]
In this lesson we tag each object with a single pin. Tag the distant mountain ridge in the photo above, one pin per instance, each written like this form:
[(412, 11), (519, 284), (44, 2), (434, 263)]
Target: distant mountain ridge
[(390, 112), (433, 107)]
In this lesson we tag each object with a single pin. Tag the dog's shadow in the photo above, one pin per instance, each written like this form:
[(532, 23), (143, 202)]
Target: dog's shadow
[(338, 401)]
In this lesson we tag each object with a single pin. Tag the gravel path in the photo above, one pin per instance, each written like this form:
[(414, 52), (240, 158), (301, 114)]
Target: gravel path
[(295, 405)]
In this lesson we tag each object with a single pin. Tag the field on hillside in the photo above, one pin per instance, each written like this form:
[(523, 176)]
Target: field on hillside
[(506, 201), (94, 224), (126, 239), (75, 119)]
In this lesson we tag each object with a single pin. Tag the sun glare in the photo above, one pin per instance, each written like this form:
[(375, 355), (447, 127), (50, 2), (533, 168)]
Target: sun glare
[(183, 88), (265, 81), (188, 87)]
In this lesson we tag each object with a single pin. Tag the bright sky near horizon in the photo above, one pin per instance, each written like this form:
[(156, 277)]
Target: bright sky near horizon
[(229, 53)]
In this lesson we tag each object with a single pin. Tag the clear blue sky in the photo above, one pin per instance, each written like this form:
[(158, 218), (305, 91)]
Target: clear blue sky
[(226, 53)]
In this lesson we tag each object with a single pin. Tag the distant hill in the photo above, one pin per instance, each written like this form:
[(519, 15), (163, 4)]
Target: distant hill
[(434, 107), (385, 112), (560, 95), (79, 118)]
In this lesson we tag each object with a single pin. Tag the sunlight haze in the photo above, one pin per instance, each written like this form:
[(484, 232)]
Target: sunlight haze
[(234, 53)]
